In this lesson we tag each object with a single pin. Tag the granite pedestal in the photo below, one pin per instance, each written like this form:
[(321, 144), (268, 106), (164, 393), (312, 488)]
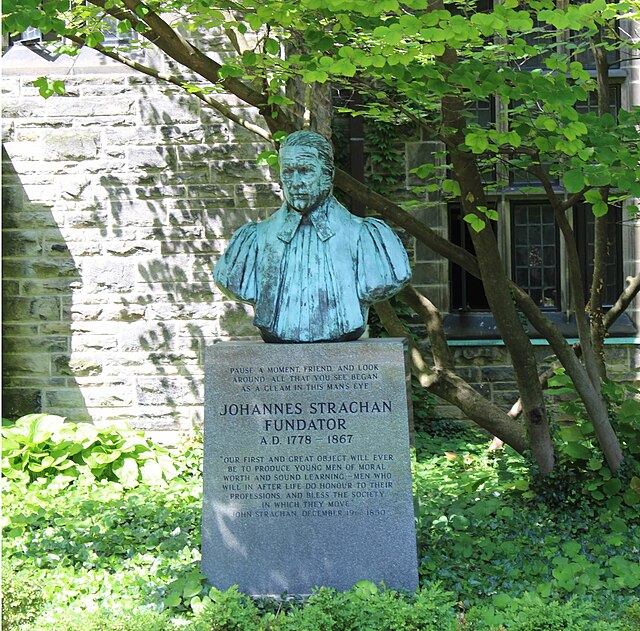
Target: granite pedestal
[(307, 477)]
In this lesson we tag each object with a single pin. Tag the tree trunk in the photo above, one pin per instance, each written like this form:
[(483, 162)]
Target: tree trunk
[(497, 287), (444, 383)]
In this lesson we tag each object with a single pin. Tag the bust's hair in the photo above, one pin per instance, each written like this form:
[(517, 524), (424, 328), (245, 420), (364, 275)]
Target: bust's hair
[(315, 140)]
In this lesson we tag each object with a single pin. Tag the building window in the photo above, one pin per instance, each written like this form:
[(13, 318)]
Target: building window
[(535, 252), (467, 291)]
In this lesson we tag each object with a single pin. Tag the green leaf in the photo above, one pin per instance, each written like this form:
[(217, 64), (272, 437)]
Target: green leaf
[(268, 158), (578, 450), (42, 83), (127, 472), (365, 589), (314, 76), (612, 487), (573, 180), (152, 474), (193, 585), (43, 426), (571, 548), (600, 208), (477, 141), (272, 46), (475, 222)]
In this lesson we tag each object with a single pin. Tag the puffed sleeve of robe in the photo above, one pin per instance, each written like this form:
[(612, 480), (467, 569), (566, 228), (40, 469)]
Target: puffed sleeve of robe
[(235, 272), (382, 262)]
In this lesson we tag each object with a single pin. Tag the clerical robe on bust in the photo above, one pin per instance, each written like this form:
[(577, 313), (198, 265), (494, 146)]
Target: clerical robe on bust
[(312, 269)]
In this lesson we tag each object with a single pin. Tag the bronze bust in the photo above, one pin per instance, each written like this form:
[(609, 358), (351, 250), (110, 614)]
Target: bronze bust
[(312, 269)]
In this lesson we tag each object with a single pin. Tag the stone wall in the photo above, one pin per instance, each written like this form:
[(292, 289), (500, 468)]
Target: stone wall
[(117, 198)]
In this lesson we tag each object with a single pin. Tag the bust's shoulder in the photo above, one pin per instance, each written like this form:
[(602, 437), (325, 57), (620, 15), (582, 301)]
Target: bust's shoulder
[(244, 232)]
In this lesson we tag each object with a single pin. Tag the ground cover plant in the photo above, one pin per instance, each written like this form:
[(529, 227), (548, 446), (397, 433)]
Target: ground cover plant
[(95, 550)]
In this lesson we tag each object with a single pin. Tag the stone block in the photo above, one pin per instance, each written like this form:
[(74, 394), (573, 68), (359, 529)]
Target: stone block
[(17, 402), (433, 273), (112, 394), (7, 133), (169, 109), (19, 330), (84, 343), (169, 390), (25, 364), (25, 309), (91, 107), (266, 195), (146, 336), (44, 268), (195, 134), (237, 320), (47, 287), (71, 145), (161, 192), (12, 199), (201, 246), (127, 136), (222, 222), (10, 288), (197, 176), (108, 273), (202, 268), (150, 157), (505, 399), (35, 344), (307, 475), (498, 374), (28, 219), (238, 171), (64, 398), (76, 365)]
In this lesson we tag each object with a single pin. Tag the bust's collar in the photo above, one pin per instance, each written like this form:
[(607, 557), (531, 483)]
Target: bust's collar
[(319, 218)]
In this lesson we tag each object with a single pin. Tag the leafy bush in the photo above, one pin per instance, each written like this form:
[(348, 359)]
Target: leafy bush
[(632, 616), (134, 620), (532, 613), (21, 599), (582, 469), (227, 611), (47, 446), (365, 607)]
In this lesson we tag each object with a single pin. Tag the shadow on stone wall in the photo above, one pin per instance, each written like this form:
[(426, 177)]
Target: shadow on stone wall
[(109, 297), (169, 219), (39, 276)]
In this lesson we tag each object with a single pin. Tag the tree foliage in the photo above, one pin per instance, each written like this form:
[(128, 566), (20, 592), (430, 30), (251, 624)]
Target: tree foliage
[(425, 63)]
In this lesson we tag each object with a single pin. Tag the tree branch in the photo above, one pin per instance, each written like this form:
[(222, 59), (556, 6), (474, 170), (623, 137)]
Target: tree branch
[(452, 388), (433, 320), (181, 83), (624, 300)]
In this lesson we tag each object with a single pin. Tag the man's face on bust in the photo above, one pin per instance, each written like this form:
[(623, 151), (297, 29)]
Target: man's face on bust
[(303, 181)]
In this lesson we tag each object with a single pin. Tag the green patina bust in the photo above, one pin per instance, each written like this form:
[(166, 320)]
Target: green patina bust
[(312, 269)]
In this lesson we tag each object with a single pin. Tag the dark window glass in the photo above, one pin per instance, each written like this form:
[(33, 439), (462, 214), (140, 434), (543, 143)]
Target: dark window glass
[(467, 291), (535, 252), (584, 223), (591, 105)]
